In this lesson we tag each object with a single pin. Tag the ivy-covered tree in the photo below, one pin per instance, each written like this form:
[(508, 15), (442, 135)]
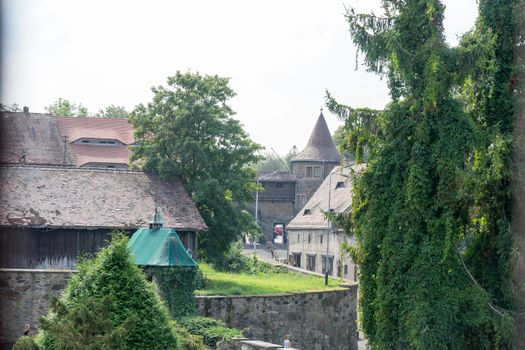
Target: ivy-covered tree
[(63, 107), (430, 212), (188, 130)]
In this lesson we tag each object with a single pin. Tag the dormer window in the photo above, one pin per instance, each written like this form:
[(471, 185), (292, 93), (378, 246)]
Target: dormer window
[(307, 212), (340, 184), (99, 142)]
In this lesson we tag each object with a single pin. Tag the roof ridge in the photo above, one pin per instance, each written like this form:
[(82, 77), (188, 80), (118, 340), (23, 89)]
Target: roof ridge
[(71, 167)]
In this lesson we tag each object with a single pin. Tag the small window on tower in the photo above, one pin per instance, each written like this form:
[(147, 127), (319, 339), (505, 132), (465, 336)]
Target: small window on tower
[(317, 171)]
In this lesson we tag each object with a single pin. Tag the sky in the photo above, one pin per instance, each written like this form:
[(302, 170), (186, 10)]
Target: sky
[(280, 56)]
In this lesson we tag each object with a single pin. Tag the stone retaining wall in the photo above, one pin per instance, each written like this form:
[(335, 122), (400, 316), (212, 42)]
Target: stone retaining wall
[(24, 297), (313, 321)]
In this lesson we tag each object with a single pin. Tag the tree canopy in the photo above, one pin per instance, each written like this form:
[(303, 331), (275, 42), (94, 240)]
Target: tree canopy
[(63, 107), (431, 211), (113, 111), (188, 130)]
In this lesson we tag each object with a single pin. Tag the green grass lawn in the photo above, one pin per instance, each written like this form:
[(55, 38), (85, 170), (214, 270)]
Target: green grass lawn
[(222, 283)]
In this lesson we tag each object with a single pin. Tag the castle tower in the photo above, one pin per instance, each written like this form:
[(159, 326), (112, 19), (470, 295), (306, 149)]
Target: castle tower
[(313, 164)]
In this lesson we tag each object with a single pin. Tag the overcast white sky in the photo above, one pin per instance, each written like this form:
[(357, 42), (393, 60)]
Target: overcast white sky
[(280, 56)]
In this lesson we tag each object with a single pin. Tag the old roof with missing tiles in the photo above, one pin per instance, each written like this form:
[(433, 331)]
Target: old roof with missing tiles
[(38, 196), (320, 146), (32, 138)]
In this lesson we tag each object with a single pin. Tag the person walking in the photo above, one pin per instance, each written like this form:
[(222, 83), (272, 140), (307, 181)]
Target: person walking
[(286, 342)]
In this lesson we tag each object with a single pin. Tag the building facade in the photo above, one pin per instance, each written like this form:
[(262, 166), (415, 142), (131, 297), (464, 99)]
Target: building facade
[(285, 193), (314, 243)]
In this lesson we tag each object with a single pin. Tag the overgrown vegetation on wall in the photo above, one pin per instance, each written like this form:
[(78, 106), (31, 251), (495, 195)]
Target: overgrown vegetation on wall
[(176, 287), (431, 212)]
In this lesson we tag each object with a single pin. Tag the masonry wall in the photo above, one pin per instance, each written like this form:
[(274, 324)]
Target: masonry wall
[(24, 297), (313, 321), (308, 185)]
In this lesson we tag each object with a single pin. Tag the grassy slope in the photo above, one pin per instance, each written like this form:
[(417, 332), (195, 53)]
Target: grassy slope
[(221, 283)]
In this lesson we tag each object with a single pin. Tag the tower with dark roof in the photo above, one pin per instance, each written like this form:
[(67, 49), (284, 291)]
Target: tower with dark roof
[(313, 164)]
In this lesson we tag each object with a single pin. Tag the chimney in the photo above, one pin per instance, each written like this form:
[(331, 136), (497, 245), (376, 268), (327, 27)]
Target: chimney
[(26, 110)]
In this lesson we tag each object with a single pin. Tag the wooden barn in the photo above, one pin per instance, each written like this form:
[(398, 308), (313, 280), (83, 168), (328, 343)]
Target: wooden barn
[(49, 215)]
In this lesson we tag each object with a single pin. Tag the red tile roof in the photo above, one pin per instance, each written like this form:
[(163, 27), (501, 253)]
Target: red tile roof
[(84, 154), (97, 128), (39, 196)]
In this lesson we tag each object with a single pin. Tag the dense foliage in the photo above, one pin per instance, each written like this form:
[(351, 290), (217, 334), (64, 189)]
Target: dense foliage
[(431, 211), (63, 107), (212, 331), (108, 304), (176, 286), (113, 111), (188, 130)]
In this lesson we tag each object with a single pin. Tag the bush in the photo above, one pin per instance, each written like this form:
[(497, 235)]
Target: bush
[(187, 340), (26, 343), (233, 260), (212, 331), (108, 304)]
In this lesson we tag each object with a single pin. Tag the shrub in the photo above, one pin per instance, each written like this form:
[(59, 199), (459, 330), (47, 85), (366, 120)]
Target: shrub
[(26, 343), (187, 340), (108, 304), (212, 331), (234, 260)]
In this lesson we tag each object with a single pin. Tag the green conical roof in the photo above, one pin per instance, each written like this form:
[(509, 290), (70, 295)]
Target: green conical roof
[(159, 247)]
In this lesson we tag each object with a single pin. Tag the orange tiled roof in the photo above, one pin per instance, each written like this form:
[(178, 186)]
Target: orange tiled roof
[(97, 128), (84, 154)]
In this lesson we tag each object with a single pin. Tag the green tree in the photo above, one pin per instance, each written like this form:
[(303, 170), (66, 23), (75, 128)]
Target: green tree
[(188, 130), (13, 107), (113, 111), (108, 304), (271, 161), (63, 107), (420, 207)]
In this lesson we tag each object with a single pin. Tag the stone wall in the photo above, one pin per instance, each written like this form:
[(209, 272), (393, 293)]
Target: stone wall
[(313, 321), (24, 297)]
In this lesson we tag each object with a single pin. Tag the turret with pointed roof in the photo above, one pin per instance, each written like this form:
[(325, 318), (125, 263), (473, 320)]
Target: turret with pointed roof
[(314, 163), (320, 146)]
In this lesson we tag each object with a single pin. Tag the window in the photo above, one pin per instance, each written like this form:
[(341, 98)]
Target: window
[(279, 185), (356, 275), (85, 141), (309, 238), (307, 212), (309, 171), (298, 238), (313, 171), (346, 269), (310, 262), (321, 239), (328, 264), (340, 184), (301, 200)]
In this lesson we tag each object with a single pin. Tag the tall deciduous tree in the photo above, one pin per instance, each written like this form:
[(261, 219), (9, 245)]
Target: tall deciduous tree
[(188, 130), (432, 206), (63, 107)]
